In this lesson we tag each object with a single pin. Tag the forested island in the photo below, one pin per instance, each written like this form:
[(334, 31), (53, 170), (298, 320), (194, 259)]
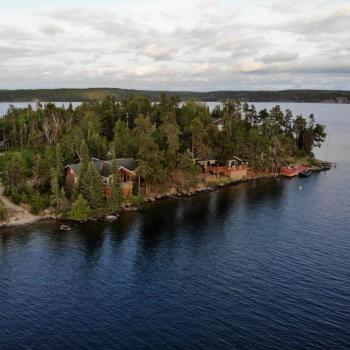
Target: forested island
[(79, 95), (103, 155)]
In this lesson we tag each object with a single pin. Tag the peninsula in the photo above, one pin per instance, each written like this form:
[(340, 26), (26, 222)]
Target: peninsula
[(106, 155)]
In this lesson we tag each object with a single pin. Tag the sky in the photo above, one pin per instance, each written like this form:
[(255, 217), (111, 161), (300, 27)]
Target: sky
[(200, 45)]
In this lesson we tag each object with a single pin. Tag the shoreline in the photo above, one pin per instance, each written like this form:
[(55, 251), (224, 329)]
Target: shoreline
[(28, 219)]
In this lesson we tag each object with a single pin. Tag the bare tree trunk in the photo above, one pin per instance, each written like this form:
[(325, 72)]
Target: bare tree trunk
[(139, 185)]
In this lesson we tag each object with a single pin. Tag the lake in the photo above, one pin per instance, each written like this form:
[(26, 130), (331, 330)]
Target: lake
[(263, 265)]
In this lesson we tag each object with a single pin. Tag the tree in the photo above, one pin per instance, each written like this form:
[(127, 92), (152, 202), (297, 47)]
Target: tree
[(62, 202), (3, 212), (172, 142), (55, 189), (188, 168), (15, 172), (198, 138), (150, 162), (80, 210), (116, 196), (91, 188), (123, 141)]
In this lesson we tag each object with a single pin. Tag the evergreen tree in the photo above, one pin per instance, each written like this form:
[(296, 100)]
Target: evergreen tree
[(91, 187), (62, 202), (55, 190), (150, 162), (115, 198), (80, 209)]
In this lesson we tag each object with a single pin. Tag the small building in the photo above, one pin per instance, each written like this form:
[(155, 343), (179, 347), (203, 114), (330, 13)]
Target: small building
[(219, 123), (235, 168), (126, 168)]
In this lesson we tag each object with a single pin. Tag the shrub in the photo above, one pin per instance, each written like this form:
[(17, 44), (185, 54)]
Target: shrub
[(38, 201), (80, 210), (137, 200), (15, 196), (3, 212)]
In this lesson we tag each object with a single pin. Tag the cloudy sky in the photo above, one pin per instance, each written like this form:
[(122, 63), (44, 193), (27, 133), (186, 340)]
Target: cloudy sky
[(175, 45)]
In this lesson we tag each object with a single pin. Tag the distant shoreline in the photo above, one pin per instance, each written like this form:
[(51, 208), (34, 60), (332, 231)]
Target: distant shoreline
[(80, 95)]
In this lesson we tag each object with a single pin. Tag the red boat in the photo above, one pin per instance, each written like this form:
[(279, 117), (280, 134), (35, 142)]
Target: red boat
[(291, 171)]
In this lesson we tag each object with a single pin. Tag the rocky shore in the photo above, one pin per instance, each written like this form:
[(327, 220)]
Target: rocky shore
[(21, 216)]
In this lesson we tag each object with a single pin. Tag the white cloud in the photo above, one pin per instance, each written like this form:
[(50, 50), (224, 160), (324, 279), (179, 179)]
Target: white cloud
[(199, 45)]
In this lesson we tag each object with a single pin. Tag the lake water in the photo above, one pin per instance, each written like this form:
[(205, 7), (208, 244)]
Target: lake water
[(263, 265), (4, 106)]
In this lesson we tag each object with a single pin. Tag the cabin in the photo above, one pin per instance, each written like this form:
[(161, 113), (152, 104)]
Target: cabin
[(126, 171), (235, 168), (218, 123)]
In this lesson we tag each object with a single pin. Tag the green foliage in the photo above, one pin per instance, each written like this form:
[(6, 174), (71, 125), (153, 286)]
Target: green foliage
[(15, 173), (189, 170), (164, 137), (58, 95), (3, 213), (124, 142), (38, 201), (80, 210), (115, 198), (91, 188), (55, 189), (136, 200)]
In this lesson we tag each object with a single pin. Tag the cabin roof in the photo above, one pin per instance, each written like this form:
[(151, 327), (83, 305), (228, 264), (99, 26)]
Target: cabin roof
[(74, 167), (217, 121), (104, 168), (127, 163)]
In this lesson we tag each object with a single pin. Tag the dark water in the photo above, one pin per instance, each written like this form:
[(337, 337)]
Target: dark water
[(256, 266)]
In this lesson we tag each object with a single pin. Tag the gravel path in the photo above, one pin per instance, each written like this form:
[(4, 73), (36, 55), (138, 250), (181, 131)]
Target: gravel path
[(17, 214)]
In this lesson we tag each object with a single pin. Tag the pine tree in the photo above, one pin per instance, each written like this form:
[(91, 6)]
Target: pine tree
[(91, 187), (62, 200), (80, 209), (84, 158), (59, 163), (115, 199), (55, 190)]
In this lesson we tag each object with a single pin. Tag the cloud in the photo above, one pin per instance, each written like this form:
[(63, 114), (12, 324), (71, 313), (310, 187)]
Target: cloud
[(199, 45), (51, 29), (279, 56), (158, 52), (333, 23)]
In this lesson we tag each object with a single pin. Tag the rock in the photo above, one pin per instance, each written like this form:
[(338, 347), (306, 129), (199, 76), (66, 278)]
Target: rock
[(151, 199), (49, 211), (159, 196), (130, 208), (65, 228), (111, 218)]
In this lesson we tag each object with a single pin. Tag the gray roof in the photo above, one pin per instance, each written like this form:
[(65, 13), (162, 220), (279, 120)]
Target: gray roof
[(75, 167), (128, 163), (104, 168), (218, 121)]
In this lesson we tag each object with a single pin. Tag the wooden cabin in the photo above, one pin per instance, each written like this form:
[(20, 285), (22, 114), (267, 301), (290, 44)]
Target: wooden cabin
[(126, 168), (218, 123), (235, 168)]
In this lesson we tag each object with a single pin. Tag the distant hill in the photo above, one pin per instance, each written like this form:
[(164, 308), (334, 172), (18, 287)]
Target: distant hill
[(77, 95)]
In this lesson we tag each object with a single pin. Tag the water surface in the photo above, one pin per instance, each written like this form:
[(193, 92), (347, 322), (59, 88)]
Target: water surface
[(264, 265)]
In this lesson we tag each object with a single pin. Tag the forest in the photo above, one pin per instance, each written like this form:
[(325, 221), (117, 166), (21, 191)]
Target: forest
[(165, 138), (79, 95)]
